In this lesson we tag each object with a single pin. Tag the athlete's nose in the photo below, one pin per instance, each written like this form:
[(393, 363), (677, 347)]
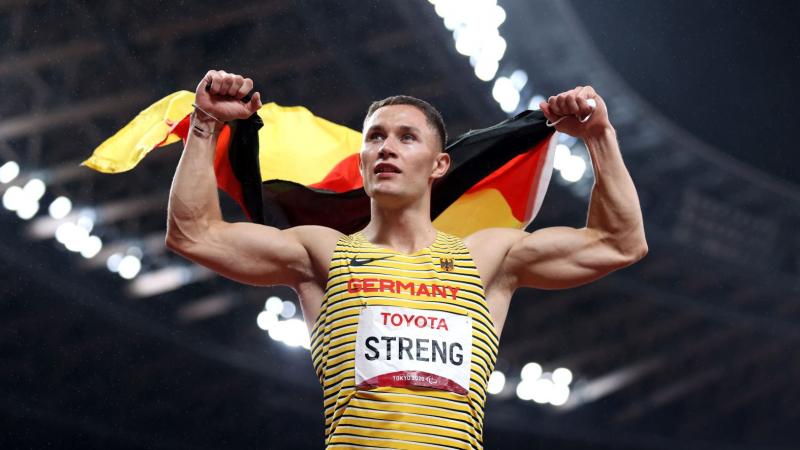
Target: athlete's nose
[(386, 150)]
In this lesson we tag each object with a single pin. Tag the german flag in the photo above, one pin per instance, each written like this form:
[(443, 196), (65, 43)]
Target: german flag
[(308, 166)]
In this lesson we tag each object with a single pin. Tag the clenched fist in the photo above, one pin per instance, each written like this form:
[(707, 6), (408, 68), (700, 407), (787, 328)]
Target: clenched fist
[(572, 104), (223, 97)]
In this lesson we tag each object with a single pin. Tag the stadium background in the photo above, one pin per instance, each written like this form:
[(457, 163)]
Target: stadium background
[(695, 347)]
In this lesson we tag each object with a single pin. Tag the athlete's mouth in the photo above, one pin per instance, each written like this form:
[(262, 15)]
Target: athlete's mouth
[(386, 167)]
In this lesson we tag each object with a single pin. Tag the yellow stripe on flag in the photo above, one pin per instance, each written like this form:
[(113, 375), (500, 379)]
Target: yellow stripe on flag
[(475, 211), (295, 145), (149, 129)]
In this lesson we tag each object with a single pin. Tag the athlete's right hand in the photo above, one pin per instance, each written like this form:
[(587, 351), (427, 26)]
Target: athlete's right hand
[(223, 99)]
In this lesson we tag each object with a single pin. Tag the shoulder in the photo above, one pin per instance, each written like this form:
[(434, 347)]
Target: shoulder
[(493, 240), (316, 238), (320, 243), (489, 247), (310, 234)]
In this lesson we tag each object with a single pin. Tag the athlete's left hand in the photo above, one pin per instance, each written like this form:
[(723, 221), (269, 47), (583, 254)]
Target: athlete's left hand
[(573, 105)]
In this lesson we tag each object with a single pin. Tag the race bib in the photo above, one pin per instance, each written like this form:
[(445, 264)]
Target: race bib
[(405, 347)]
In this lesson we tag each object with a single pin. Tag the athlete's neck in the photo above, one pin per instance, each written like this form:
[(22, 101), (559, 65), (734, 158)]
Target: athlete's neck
[(406, 230)]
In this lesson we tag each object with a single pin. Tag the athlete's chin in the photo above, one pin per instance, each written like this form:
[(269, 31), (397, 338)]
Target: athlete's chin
[(387, 194), (390, 197)]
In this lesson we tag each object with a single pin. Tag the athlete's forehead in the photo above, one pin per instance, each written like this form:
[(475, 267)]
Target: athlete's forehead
[(400, 117)]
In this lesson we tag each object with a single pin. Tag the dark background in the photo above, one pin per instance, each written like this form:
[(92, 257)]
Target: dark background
[(694, 347), (726, 72)]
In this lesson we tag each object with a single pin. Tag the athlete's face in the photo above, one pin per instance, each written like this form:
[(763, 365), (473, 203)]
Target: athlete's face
[(401, 155)]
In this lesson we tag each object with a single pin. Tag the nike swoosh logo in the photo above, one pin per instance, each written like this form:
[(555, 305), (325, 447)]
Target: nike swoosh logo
[(364, 261)]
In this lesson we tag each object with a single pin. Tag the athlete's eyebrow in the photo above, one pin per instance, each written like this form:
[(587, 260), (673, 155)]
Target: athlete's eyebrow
[(409, 128), (401, 128), (376, 127)]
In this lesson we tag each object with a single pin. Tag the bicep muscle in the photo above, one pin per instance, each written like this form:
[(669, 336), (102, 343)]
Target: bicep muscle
[(562, 257), (251, 253)]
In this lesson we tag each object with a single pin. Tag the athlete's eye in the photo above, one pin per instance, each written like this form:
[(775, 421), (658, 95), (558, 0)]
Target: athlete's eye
[(375, 137), (408, 137)]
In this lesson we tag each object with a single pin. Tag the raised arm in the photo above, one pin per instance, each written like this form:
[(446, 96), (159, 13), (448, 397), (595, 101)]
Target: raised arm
[(245, 252), (563, 257)]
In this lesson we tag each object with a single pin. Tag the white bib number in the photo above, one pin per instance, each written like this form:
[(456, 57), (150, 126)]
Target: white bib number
[(404, 347)]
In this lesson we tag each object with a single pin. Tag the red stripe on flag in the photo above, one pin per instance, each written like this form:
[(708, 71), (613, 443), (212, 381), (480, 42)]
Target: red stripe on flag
[(226, 180), (345, 176), (514, 177), (180, 129)]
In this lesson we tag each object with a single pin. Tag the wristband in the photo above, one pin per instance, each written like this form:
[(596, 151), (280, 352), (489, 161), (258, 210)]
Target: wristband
[(200, 131), (205, 112)]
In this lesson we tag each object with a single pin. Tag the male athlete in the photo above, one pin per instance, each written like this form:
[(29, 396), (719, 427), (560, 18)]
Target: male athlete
[(404, 319)]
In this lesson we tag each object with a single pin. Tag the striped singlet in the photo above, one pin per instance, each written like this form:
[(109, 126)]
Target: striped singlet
[(441, 279)]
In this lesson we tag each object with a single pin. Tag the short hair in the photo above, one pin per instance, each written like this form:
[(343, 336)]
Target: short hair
[(432, 115)]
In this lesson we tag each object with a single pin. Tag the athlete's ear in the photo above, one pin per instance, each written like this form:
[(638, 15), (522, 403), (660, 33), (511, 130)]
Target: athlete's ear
[(441, 164)]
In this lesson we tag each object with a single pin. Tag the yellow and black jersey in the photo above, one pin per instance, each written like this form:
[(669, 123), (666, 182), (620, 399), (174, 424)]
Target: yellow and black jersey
[(421, 292)]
